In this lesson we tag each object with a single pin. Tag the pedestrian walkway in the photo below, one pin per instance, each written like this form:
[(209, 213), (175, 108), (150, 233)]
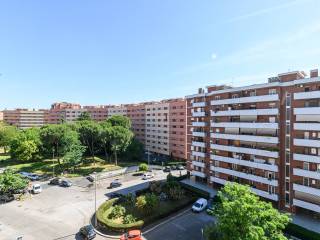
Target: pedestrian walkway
[(201, 186)]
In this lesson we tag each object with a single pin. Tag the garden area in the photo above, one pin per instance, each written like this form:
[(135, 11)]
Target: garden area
[(145, 207)]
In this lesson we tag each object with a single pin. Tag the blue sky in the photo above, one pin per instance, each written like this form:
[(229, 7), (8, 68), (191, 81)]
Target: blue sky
[(123, 51)]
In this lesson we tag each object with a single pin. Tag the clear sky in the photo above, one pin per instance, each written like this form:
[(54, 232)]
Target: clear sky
[(124, 51)]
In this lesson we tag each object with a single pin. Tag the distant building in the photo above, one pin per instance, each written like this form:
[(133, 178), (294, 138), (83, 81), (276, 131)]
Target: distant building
[(24, 118)]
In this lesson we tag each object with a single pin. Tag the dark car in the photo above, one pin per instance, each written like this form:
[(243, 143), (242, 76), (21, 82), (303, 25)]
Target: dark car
[(6, 198), (167, 169), (173, 167), (88, 232), (90, 178), (33, 177), (115, 183), (65, 183), (55, 181)]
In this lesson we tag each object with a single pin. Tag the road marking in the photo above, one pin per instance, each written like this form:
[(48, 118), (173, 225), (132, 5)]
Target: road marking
[(168, 220)]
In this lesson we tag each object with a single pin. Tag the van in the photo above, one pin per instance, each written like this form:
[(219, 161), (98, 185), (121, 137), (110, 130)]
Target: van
[(36, 188)]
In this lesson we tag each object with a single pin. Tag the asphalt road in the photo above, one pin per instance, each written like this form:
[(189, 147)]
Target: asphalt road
[(57, 212)]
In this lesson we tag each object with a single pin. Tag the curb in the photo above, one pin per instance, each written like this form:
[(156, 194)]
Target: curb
[(100, 233)]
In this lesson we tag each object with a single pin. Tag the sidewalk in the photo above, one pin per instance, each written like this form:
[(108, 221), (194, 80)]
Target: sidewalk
[(201, 186)]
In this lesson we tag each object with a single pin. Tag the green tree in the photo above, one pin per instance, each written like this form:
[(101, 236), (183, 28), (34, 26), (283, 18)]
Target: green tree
[(58, 139), (147, 203), (84, 116), (143, 167), (7, 134), (118, 120), (134, 151), (26, 145), (242, 215), (105, 137), (11, 182), (74, 155), (120, 139)]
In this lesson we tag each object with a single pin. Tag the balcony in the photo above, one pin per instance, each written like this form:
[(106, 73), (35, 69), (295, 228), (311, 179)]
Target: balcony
[(198, 114), (248, 138), (247, 112), (198, 134), (199, 104), (307, 126), (306, 173), (253, 125), (247, 163), (198, 144), (198, 124), (198, 154), (305, 189), (247, 176), (307, 111), (198, 164), (306, 205), (252, 151), (306, 142), (198, 174), (260, 193), (252, 99), (306, 158), (307, 95)]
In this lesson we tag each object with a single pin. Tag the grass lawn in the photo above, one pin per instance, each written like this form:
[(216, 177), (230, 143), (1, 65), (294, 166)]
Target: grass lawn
[(46, 166)]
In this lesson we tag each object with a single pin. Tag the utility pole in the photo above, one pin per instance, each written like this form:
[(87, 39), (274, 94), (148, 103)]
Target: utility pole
[(95, 199), (53, 162)]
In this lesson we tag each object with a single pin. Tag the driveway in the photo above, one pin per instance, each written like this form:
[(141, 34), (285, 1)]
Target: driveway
[(185, 226)]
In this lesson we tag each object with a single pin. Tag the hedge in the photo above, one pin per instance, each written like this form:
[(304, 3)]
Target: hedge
[(102, 217), (300, 232), (196, 191)]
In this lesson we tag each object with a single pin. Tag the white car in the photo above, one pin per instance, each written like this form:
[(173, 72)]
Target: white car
[(199, 205), (36, 188), (147, 176)]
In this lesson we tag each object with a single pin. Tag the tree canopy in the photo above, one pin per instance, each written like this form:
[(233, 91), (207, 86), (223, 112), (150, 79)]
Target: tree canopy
[(241, 215), (118, 120), (11, 182)]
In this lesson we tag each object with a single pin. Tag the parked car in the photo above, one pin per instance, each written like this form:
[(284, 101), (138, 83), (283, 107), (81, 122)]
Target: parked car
[(65, 183), (6, 198), (36, 188), (132, 235), (167, 169), (199, 205), (90, 178), (55, 181), (87, 232), (115, 183), (173, 167), (33, 177), (147, 176), (24, 174), (180, 167)]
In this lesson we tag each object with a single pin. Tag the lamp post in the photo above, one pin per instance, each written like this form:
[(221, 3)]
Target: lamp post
[(95, 199), (53, 162)]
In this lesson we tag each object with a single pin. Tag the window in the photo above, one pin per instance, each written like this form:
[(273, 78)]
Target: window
[(272, 91)]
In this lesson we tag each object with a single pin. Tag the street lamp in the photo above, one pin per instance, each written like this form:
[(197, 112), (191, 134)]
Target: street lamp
[(148, 153), (95, 199), (53, 162)]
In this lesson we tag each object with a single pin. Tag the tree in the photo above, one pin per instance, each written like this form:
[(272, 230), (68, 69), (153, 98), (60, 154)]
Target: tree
[(84, 116), (58, 139), (105, 136), (11, 182), (89, 132), (26, 145), (120, 140), (134, 151), (118, 120), (74, 155), (143, 167), (242, 215), (7, 134)]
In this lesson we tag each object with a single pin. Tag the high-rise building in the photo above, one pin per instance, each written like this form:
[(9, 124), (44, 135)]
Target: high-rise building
[(24, 118), (97, 113), (264, 135), (137, 114)]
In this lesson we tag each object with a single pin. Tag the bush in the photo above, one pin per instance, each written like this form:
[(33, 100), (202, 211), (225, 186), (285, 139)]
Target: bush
[(143, 167), (300, 232), (117, 212), (176, 193), (128, 219), (103, 218), (155, 187)]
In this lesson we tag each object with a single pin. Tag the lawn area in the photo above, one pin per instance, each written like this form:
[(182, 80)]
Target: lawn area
[(46, 166)]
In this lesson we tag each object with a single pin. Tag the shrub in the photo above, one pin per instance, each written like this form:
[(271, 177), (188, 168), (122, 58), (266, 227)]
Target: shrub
[(129, 219), (117, 212), (130, 199), (155, 187), (141, 202), (176, 193), (143, 167), (147, 203)]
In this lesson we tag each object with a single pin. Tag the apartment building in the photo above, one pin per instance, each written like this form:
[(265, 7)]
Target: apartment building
[(1, 116), (24, 118), (137, 114), (264, 135), (117, 110), (97, 113), (63, 112)]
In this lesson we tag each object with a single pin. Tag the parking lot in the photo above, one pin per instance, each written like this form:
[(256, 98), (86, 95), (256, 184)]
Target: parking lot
[(58, 212)]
